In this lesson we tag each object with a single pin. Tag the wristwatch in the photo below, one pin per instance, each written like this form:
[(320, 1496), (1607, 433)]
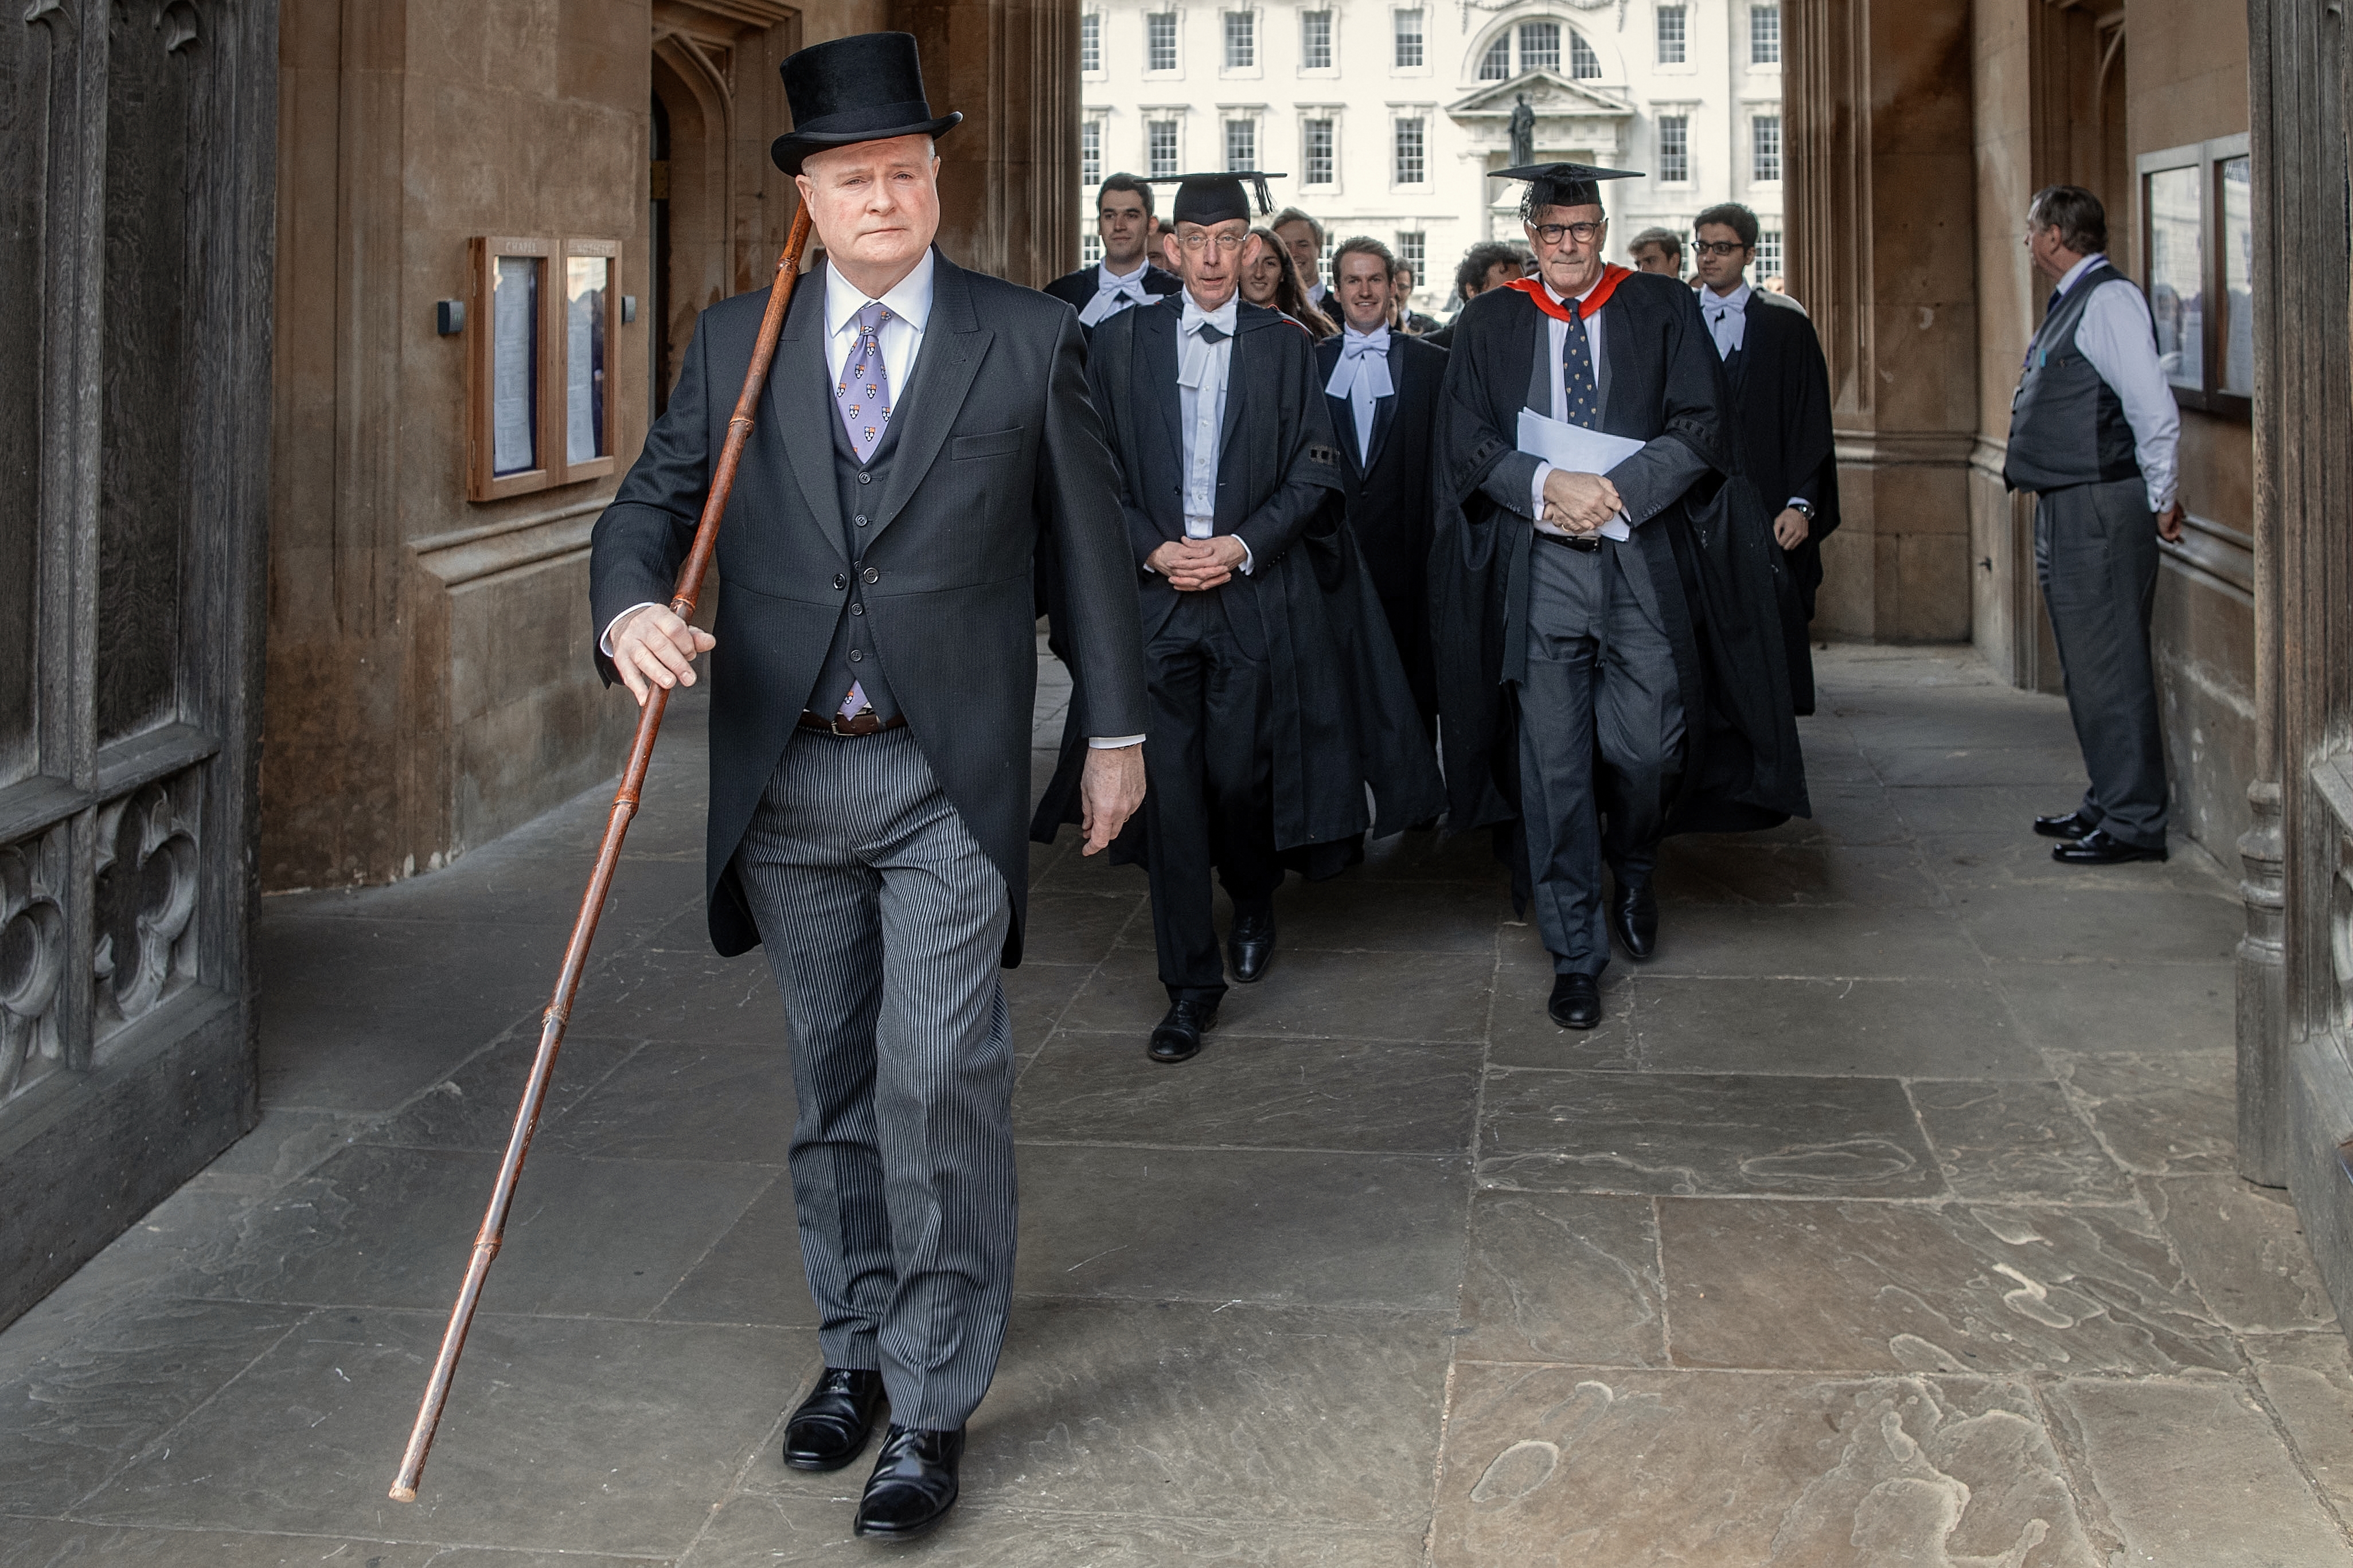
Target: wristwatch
[(1804, 508)]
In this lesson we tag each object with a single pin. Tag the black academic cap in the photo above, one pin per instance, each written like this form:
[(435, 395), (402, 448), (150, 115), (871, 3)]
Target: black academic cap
[(1214, 198), (1572, 185)]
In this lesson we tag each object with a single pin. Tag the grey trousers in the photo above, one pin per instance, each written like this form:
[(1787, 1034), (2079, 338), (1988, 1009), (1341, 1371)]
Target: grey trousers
[(884, 922), (2096, 556), (1600, 678)]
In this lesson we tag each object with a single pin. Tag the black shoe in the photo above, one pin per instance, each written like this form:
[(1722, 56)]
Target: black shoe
[(2073, 825), (1576, 1001), (913, 1484), (1179, 1036), (1251, 948), (1634, 919), (831, 1426), (2100, 847)]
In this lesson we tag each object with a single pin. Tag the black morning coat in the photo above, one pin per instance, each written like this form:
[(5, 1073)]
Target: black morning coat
[(997, 445), (1710, 555), (1342, 716), (1387, 497), (1782, 390)]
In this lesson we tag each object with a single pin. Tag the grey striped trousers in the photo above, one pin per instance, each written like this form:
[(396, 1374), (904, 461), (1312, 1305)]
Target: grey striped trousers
[(884, 922)]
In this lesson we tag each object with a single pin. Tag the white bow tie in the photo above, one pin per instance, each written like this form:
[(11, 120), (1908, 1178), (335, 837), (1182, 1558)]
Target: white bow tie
[(1364, 361), (1114, 295), (1223, 318)]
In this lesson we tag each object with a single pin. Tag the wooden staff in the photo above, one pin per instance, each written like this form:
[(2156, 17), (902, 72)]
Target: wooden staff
[(600, 879)]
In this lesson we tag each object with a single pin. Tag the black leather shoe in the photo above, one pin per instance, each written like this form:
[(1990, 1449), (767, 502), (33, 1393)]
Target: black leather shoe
[(1576, 1001), (831, 1426), (2073, 825), (1251, 948), (913, 1484), (1177, 1037), (2100, 847), (1634, 919)]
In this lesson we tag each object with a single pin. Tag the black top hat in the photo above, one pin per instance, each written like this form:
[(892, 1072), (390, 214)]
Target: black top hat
[(865, 87)]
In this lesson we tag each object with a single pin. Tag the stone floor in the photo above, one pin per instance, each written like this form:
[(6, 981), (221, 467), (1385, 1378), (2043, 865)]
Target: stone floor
[(1889, 1219)]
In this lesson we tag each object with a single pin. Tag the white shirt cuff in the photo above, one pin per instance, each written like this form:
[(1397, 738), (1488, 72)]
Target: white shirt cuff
[(1112, 743), (605, 643), (1535, 491), (1249, 560)]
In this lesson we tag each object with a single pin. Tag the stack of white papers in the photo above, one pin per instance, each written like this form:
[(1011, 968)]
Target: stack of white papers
[(1578, 451)]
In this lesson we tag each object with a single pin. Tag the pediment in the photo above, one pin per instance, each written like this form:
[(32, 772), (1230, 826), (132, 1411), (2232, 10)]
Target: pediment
[(1547, 94)]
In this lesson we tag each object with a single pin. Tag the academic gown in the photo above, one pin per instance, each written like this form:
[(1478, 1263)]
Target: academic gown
[(1386, 494), (1710, 559), (1342, 716), (1781, 389)]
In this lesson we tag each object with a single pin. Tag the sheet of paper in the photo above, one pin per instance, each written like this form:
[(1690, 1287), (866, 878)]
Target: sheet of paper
[(1580, 451)]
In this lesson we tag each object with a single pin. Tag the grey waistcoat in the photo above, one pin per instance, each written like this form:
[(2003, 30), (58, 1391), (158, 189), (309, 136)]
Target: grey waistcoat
[(2067, 426), (852, 656)]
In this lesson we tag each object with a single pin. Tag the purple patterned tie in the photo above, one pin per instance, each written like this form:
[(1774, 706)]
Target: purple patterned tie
[(863, 395), (863, 392)]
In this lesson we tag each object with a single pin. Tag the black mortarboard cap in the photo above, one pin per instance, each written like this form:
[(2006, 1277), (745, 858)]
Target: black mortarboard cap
[(1214, 198), (1573, 184)]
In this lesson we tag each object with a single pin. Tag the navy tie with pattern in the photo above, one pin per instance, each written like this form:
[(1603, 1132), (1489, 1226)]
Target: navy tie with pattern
[(1584, 400)]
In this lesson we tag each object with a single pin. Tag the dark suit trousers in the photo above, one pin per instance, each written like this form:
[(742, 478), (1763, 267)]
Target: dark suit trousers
[(2096, 556), (1209, 768), (885, 920), (1601, 678)]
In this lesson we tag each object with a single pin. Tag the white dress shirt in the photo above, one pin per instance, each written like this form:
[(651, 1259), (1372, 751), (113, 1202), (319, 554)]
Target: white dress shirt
[(1114, 293), (1727, 318), (1557, 335), (1201, 367), (1362, 377), (2117, 336), (901, 338)]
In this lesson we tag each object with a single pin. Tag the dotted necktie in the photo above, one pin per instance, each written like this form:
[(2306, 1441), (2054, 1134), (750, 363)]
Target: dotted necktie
[(863, 395), (1583, 399), (863, 391)]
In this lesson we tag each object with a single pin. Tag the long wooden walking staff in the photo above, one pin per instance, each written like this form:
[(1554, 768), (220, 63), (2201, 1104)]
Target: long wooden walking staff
[(600, 881)]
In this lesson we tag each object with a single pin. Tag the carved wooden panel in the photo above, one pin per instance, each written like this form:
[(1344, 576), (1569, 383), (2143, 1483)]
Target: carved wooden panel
[(33, 960), (144, 897), (23, 92)]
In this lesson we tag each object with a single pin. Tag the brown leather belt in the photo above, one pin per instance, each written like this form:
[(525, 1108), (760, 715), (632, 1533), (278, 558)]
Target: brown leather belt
[(865, 723), (1586, 542)]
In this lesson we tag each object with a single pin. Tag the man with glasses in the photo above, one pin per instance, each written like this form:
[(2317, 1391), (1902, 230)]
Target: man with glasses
[(1583, 693), (1781, 410), (1257, 746)]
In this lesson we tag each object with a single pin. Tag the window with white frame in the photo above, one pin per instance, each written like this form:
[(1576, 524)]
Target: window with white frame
[(1674, 35), (1412, 246), (1495, 64), (1090, 41), (1583, 63), (1764, 34), (1674, 148), (1768, 254), (1412, 163), (1318, 158), (1316, 40), (1241, 40), (1540, 46), (1090, 246), (1160, 146), (1241, 143), (1765, 149), (1160, 41), (1090, 132), (1407, 54)]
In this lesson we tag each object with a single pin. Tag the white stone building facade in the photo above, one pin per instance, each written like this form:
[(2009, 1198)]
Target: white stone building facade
[(1384, 116)]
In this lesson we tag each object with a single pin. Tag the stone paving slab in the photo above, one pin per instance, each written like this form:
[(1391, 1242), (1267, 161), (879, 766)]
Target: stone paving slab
[(1889, 1217)]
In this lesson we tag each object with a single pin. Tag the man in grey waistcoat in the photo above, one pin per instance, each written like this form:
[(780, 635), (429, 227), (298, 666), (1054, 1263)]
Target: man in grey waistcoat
[(2093, 431), (874, 669)]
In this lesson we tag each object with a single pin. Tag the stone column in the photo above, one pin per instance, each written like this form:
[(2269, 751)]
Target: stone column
[(1883, 232)]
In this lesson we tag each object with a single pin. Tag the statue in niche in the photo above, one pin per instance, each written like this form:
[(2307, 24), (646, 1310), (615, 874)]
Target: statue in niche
[(1524, 133)]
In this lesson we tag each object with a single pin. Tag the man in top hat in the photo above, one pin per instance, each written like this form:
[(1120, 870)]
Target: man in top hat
[(1125, 277), (1382, 385), (1781, 410), (1569, 655), (869, 733), (1272, 703)]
